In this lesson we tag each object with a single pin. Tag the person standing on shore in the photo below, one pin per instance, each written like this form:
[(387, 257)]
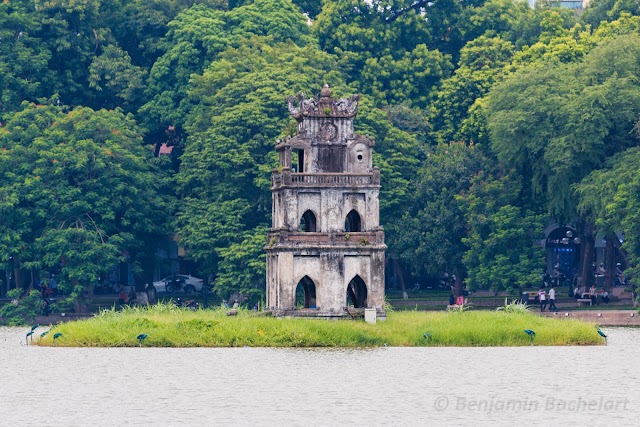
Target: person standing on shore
[(542, 296), (552, 299)]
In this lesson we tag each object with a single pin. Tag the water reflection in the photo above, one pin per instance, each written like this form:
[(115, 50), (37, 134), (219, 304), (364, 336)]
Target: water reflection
[(254, 386)]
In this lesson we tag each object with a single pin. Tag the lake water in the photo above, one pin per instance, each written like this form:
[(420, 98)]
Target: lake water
[(257, 386)]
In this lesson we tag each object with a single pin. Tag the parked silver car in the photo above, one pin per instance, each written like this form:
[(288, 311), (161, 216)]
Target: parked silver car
[(176, 283)]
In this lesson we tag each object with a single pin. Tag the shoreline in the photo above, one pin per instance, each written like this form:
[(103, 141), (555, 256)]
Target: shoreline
[(600, 317)]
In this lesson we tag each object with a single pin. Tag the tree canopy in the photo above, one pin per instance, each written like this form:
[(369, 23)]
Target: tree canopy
[(492, 119), (79, 191)]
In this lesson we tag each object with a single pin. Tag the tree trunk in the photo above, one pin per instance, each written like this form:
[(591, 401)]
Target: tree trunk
[(80, 303), (32, 272), (398, 271), (586, 260), (16, 273), (609, 261)]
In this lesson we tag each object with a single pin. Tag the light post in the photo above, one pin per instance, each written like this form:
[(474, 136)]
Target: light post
[(568, 239)]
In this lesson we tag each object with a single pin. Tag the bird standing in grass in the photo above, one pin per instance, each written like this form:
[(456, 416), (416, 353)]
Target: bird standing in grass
[(141, 338), (531, 334)]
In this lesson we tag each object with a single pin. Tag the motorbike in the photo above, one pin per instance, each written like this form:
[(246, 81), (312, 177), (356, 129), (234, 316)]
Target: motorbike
[(190, 304), (174, 285)]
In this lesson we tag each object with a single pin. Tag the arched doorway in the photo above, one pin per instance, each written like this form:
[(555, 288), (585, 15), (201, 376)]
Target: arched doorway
[(357, 293), (308, 222), (563, 250), (306, 293), (353, 223)]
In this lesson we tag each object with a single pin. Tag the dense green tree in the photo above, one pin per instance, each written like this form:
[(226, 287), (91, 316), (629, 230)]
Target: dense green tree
[(557, 123), (482, 63), (611, 197), (397, 153), (139, 26), (557, 46), (195, 39), (311, 7), (20, 223), (211, 76), (625, 25), (407, 78), (243, 265), (74, 35), (409, 119), (385, 47), (474, 128), (428, 235), (364, 30), (90, 52), (599, 11), (503, 251), (119, 82), (496, 17), (224, 178), (78, 190), (23, 56)]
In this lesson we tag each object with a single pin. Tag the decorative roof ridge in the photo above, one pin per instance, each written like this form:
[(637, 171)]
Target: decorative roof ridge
[(326, 106)]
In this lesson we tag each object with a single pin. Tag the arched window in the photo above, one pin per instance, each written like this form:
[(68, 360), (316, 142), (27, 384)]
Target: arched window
[(357, 293), (352, 223), (308, 222), (306, 293)]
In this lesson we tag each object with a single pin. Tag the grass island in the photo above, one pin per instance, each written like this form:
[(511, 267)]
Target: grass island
[(165, 325)]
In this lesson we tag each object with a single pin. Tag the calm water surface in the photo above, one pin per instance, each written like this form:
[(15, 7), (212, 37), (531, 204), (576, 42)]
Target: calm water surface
[(255, 386)]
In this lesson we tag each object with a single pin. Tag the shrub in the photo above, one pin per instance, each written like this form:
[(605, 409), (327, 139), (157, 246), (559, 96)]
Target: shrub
[(516, 306), (22, 308)]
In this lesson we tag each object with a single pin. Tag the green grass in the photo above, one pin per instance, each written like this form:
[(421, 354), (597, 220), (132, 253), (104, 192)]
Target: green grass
[(167, 326)]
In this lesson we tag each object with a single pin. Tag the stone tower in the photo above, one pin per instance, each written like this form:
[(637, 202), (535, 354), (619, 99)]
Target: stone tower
[(325, 250)]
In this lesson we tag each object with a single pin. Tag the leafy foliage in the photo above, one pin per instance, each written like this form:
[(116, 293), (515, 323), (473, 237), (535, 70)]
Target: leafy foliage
[(195, 39), (23, 58), (224, 175), (384, 47), (428, 235), (514, 306), (481, 65), (485, 113), (611, 196), (21, 309), (556, 123), (72, 185)]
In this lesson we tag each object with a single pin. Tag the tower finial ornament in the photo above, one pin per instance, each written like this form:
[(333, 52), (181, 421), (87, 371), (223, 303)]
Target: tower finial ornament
[(325, 92)]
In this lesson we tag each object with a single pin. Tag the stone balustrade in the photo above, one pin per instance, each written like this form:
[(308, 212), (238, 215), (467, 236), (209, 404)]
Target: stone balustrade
[(294, 238), (286, 178)]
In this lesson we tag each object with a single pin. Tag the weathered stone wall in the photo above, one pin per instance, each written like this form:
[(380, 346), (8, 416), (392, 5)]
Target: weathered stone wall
[(330, 206), (330, 271), (318, 127), (358, 156), (337, 178)]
